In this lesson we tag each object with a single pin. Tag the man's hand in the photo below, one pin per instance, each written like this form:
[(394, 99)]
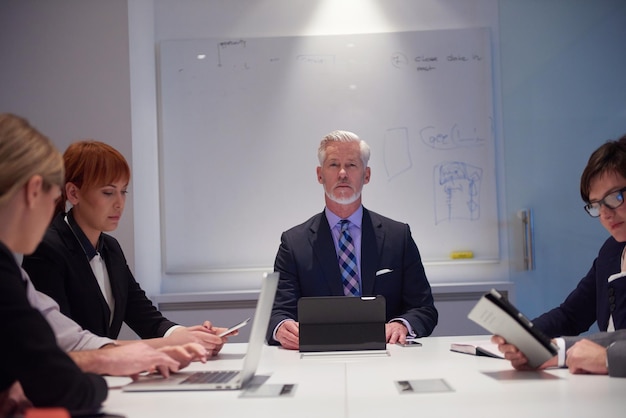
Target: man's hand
[(586, 357), (185, 354), (395, 332), (517, 358), (288, 335)]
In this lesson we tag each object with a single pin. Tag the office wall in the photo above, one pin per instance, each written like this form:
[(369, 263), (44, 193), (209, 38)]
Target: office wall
[(64, 66), (563, 90)]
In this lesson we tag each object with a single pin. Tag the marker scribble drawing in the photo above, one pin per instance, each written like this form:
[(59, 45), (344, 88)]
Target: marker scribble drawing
[(457, 191), (232, 54), (396, 152), (399, 60)]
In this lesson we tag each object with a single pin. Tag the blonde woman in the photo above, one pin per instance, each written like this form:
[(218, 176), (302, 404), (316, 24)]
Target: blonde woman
[(31, 177)]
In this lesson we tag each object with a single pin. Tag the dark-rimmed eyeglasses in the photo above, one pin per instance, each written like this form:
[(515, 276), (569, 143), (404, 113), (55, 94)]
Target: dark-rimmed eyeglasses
[(612, 201)]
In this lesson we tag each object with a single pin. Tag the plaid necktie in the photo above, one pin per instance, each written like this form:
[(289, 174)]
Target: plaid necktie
[(347, 261)]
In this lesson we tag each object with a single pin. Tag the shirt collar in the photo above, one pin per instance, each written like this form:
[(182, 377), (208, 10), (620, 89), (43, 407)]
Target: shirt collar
[(89, 249), (356, 218)]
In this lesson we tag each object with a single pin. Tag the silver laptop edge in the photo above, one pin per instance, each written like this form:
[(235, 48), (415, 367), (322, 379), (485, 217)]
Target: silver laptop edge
[(251, 361)]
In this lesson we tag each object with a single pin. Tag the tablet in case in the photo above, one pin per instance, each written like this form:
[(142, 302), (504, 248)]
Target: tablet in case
[(342, 323), (498, 316)]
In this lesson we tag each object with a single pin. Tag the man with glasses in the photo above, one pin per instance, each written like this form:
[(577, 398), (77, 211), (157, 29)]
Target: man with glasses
[(601, 295)]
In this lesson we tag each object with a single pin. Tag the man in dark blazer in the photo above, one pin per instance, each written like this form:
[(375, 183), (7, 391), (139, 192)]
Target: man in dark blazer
[(387, 261), (595, 298), (601, 295)]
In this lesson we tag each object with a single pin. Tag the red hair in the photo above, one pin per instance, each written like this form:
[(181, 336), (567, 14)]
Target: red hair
[(90, 164)]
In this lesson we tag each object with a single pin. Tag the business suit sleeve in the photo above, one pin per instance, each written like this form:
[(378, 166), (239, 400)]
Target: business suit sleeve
[(413, 301), (138, 310), (288, 291), (616, 349), (575, 315), (47, 375), (588, 302), (616, 355), (47, 269)]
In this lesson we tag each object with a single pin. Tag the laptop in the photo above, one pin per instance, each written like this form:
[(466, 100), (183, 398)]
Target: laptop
[(498, 316), (342, 323), (221, 379)]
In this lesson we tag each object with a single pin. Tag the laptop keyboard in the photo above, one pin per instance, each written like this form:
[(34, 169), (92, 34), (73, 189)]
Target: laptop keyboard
[(210, 377)]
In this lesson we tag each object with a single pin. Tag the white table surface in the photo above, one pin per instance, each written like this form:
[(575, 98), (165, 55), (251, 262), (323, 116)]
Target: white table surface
[(364, 386)]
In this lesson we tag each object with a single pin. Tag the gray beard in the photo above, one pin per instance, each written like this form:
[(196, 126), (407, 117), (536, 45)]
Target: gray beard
[(343, 201)]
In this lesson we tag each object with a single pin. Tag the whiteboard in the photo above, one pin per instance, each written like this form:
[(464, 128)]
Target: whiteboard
[(241, 120)]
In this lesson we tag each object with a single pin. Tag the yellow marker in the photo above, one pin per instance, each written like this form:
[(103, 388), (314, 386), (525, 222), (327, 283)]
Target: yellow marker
[(461, 254)]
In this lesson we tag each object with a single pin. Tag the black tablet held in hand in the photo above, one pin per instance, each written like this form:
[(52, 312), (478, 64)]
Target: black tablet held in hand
[(498, 316)]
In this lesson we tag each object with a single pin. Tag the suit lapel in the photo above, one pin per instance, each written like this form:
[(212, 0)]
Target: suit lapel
[(615, 262), (324, 250), (83, 268), (113, 266), (372, 238)]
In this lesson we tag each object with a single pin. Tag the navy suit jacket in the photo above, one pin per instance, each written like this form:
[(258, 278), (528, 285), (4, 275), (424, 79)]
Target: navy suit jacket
[(308, 266), (594, 299), (59, 268)]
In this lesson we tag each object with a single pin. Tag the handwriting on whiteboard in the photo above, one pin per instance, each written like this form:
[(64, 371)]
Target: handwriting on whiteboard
[(427, 62), (455, 137)]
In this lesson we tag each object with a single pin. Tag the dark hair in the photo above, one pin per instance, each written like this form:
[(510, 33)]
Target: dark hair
[(90, 164), (609, 157)]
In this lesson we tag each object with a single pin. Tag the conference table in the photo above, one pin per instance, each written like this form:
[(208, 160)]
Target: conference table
[(441, 383)]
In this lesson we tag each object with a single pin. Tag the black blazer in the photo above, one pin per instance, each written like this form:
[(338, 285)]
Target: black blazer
[(31, 356), (59, 268), (593, 299), (308, 266)]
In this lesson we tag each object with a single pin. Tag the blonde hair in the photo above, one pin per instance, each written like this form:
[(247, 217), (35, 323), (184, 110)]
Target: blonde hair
[(24, 153)]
